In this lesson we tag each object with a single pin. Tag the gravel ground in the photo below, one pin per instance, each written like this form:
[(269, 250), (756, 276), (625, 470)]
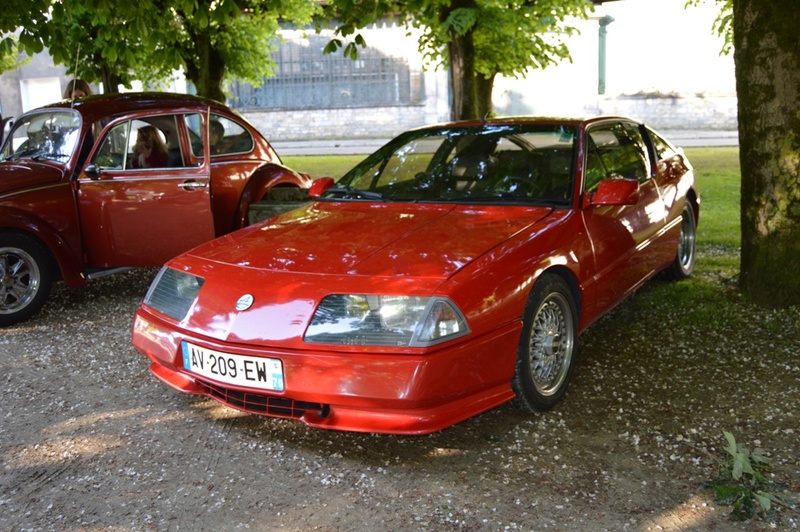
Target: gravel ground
[(90, 440)]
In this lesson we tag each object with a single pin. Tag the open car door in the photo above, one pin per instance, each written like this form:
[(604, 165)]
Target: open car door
[(135, 213)]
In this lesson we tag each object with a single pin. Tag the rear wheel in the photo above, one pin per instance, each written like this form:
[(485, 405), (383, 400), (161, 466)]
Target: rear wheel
[(26, 274), (545, 357), (683, 265)]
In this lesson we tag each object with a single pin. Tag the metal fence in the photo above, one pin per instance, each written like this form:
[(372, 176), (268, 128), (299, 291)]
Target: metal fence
[(305, 78)]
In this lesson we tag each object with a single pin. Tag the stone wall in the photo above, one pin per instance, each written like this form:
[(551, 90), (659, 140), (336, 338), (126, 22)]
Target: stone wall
[(372, 122), (677, 111), (700, 112)]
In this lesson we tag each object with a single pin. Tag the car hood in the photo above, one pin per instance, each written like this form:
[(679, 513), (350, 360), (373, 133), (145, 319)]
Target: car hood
[(372, 239), (24, 174), (289, 263)]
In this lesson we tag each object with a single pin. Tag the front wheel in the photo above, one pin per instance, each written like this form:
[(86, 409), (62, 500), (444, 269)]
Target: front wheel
[(683, 265), (26, 275), (545, 356)]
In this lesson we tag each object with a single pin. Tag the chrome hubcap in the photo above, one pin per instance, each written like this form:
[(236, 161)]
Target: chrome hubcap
[(19, 282), (686, 244)]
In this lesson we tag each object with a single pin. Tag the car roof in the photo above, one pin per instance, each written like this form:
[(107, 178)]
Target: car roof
[(520, 120), (101, 105)]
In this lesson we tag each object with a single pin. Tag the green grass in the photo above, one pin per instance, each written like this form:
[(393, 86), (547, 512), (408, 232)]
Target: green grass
[(718, 183), (316, 166)]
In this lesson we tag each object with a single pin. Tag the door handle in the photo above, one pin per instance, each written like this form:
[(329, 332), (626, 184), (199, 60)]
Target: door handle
[(191, 185)]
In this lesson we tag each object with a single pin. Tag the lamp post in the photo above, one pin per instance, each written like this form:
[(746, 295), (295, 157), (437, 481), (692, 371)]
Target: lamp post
[(601, 63)]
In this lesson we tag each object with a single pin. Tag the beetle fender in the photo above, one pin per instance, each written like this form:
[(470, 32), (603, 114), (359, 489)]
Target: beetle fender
[(267, 176), (69, 265)]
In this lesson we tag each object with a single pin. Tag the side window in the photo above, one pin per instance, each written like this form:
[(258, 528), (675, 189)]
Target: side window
[(194, 129), (151, 142), (595, 171), (228, 136), (662, 148), (635, 154), (113, 152), (621, 151)]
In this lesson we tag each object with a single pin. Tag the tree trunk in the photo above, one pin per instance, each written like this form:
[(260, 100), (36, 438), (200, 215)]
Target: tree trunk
[(484, 88), (208, 73), (462, 77), (461, 51), (767, 58), (111, 81)]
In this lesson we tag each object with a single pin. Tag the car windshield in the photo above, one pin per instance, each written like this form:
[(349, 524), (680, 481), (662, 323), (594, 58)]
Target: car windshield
[(477, 164), (43, 135)]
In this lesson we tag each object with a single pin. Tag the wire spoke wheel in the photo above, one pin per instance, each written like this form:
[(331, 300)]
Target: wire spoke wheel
[(683, 265), (551, 345), (547, 345)]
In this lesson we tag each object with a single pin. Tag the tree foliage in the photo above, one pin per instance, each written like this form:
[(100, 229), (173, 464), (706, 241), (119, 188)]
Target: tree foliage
[(119, 42), (723, 25), (10, 58), (220, 39), (475, 39), (509, 37)]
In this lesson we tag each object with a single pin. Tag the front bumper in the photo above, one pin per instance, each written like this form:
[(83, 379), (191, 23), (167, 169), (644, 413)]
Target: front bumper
[(352, 391)]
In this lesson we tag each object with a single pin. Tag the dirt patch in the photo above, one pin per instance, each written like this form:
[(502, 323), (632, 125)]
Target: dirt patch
[(89, 440)]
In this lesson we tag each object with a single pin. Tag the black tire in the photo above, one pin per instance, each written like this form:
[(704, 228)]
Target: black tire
[(683, 265), (547, 345), (26, 275)]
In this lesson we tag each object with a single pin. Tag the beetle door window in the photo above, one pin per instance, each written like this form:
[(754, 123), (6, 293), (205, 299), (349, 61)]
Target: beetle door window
[(151, 142)]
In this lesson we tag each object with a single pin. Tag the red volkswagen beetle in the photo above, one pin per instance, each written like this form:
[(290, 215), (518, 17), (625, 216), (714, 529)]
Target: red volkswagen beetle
[(449, 272), (107, 182)]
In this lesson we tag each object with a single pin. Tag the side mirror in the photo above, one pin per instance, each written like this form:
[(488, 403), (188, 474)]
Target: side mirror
[(93, 172), (319, 186), (614, 192)]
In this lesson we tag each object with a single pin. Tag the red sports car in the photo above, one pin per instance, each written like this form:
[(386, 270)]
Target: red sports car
[(92, 186), (449, 272)]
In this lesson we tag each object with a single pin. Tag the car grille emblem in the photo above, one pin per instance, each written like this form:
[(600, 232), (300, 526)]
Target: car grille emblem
[(244, 302)]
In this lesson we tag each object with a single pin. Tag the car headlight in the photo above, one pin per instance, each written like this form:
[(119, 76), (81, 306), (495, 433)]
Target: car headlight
[(399, 321), (173, 292)]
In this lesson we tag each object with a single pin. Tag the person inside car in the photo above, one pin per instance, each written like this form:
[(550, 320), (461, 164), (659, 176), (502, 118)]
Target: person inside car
[(150, 150)]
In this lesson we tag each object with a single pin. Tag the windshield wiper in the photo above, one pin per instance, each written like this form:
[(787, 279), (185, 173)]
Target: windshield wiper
[(47, 155), (30, 153), (349, 192)]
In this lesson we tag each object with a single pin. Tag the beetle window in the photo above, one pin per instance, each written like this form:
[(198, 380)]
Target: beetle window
[(226, 137), (47, 135), (113, 152), (118, 149)]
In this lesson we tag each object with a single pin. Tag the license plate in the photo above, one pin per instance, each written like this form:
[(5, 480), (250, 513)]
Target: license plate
[(255, 372)]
